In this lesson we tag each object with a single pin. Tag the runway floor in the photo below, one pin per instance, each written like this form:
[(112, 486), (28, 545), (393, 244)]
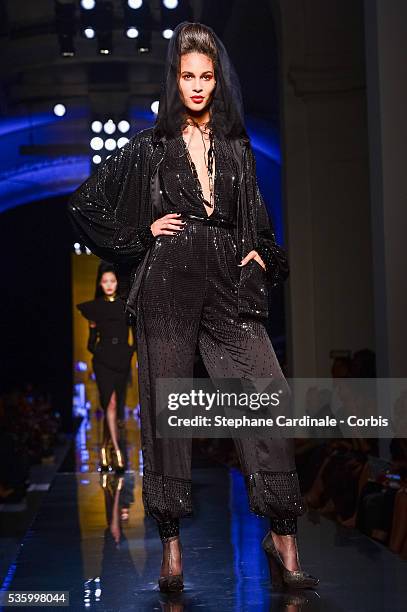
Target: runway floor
[(79, 544)]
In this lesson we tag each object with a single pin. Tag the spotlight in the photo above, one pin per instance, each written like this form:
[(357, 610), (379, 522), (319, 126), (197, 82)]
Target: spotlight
[(167, 34), (96, 143), (89, 32), (65, 27), (123, 126), (109, 127), (122, 141), (88, 21), (88, 5), (76, 246), (144, 42), (140, 20), (135, 4), (154, 106), (96, 127), (132, 32), (110, 144), (104, 26), (96, 159), (170, 4), (59, 110)]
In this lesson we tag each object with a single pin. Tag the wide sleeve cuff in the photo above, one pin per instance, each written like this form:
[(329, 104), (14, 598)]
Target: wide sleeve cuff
[(131, 242), (275, 258), (146, 236)]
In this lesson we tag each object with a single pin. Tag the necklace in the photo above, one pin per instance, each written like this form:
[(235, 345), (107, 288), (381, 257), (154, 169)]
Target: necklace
[(209, 168), (110, 298)]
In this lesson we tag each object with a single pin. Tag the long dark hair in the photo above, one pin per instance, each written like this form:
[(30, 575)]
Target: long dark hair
[(226, 110), (104, 266)]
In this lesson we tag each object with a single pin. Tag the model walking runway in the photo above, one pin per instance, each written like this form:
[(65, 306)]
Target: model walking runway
[(179, 209)]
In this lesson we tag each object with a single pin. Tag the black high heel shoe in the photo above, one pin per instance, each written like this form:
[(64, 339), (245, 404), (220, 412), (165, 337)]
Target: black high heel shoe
[(172, 583), (280, 575)]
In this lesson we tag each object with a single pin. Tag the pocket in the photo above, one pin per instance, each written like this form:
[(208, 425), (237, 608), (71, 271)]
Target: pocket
[(253, 290), (259, 265), (258, 274)]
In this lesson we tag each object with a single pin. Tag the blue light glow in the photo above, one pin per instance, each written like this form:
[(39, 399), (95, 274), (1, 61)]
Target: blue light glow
[(30, 178)]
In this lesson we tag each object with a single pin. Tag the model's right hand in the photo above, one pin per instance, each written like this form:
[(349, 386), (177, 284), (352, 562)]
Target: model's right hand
[(167, 224)]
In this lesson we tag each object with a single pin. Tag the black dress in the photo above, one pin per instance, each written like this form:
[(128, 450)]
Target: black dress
[(111, 351)]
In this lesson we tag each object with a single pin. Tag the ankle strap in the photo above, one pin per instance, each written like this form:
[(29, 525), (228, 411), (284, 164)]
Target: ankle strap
[(168, 529), (287, 526)]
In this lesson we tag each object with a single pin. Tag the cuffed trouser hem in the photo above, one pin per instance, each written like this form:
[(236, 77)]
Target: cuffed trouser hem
[(287, 526), (168, 529)]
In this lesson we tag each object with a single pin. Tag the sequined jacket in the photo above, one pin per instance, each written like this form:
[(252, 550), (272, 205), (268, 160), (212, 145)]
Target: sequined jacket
[(112, 212)]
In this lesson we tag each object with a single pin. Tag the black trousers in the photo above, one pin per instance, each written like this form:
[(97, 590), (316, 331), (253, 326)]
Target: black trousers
[(188, 298)]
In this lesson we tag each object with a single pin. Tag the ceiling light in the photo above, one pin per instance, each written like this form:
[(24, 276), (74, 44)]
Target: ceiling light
[(110, 144), (59, 110), (96, 143), (132, 32), (122, 141), (96, 127), (88, 5), (123, 126), (110, 127)]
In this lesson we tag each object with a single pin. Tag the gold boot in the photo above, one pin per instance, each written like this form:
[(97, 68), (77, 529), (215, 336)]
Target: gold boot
[(118, 462), (105, 459)]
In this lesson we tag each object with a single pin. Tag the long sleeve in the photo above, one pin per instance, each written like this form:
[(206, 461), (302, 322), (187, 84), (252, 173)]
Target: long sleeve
[(94, 207), (273, 255), (92, 339)]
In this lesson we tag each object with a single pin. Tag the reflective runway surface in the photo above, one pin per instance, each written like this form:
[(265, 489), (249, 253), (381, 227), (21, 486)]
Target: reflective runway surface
[(91, 538)]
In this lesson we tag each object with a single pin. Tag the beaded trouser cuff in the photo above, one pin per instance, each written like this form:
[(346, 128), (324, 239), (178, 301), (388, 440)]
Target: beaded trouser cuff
[(165, 497), (284, 526), (276, 495), (168, 529)]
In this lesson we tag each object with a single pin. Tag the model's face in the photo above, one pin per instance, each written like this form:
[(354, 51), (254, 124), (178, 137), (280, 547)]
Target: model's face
[(108, 282), (196, 81)]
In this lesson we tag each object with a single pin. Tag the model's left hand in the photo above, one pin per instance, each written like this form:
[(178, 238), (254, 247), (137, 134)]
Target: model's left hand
[(252, 255)]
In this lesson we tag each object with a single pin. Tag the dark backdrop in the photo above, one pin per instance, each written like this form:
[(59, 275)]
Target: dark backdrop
[(36, 321)]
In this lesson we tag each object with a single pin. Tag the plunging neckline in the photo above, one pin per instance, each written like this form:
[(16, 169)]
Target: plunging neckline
[(198, 179)]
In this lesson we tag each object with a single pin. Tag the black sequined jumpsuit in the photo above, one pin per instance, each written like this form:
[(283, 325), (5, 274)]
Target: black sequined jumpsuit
[(189, 298)]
